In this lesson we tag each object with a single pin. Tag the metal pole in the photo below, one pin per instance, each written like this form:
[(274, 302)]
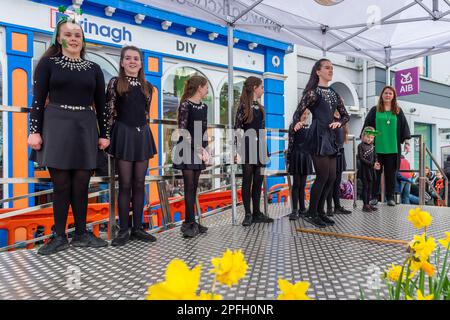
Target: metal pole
[(112, 199), (422, 178), (266, 197), (388, 76), (199, 210), (355, 179), (288, 177), (230, 123)]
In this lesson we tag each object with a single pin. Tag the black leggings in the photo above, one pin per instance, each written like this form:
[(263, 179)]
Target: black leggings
[(251, 185), (367, 191), (70, 187), (388, 164), (190, 179), (131, 186), (298, 192), (334, 193), (325, 167)]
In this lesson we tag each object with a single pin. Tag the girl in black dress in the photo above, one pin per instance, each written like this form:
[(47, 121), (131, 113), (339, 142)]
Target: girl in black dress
[(128, 97), (63, 131), (252, 154), (322, 101), (298, 164), (367, 166), (190, 154), (341, 166)]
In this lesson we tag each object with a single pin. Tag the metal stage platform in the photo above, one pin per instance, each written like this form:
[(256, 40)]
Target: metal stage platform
[(335, 267)]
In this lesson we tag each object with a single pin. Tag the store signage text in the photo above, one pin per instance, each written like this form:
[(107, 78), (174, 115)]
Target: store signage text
[(407, 81), (186, 46), (117, 35)]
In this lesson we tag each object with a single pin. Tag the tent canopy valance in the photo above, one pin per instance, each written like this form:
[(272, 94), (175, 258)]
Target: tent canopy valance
[(386, 31)]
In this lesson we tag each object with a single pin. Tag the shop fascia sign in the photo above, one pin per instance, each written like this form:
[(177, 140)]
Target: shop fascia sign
[(407, 81), (91, 28)]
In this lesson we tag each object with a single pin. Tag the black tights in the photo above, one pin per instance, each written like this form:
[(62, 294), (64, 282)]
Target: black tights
[(190, 179), (251, 185), (334, 193), (366, 191), (70, 187), (298, 192), (131, 186), (325, 168)]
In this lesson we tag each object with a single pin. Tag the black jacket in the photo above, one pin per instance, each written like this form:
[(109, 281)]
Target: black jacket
[(403, 132)]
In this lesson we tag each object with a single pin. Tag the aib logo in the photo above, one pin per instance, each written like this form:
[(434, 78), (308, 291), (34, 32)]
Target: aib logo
[(117, 35)]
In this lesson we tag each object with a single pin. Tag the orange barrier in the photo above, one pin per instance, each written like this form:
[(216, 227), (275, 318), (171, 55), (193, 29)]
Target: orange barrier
[(44, 218)]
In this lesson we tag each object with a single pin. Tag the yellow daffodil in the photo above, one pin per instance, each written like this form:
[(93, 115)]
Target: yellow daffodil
[(420, 296), (209, 296), (427, 267), (229, 268), (444, 242), (291, 291), (420, 219), (393, 273), (181, 283), (422, 247)]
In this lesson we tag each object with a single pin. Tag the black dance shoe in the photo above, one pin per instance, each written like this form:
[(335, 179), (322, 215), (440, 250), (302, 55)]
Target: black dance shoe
[(367, 208), (326, 220), (247, 220), (330, 212), (140, 234), (341, 210), (88, 239), (122, 238), (315, 220), (189, 230), (259, 217), (201, 228), (294, 216), (373, 207), (54, 245)]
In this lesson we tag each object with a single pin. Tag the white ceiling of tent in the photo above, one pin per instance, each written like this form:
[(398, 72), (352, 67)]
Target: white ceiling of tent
[(386, 31)]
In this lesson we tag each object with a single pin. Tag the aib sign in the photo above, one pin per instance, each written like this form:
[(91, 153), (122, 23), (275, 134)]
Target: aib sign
[(407, 81)]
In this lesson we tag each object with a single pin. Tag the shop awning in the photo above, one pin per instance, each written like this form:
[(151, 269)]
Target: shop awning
[(386, 31)]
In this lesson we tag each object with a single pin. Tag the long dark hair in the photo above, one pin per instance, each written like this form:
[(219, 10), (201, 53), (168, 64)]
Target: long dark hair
[(313, 81), (191, 86), (122, 82), (56, 48), (246, 99), (395, 108), (337, 116)]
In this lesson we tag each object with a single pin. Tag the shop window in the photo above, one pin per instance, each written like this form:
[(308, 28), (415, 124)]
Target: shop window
[(108, 68), (237, 86)]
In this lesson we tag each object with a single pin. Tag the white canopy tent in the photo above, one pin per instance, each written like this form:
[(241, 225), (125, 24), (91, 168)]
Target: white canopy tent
[(385, 31)]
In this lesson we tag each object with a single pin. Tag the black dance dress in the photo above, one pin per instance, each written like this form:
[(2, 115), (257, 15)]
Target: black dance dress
[(191, 115), (68, 122), (322, 102), (253, 135), (131, 137), (367, 158), (299, 161)]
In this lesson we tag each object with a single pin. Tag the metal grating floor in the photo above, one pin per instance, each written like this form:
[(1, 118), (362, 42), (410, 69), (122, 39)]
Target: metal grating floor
[(335, 267)]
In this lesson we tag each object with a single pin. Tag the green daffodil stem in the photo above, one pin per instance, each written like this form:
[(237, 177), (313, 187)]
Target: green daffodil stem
[(442, 277)]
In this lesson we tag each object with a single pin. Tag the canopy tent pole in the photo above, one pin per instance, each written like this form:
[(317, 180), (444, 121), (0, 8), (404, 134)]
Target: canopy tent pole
[(230, 39), (388, 76)]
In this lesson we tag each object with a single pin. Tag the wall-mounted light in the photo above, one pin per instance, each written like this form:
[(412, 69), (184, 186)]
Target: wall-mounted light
[(236, 40), (77, 3), (165, 25), (139, 18), (190, 30), (212, 36), (252, 45), (109, 11)]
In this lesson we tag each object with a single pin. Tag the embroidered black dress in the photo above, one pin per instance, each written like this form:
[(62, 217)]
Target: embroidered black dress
[(131, 137), (69, 124), (299, 160), (190, 116), (253, 135), (322, 102), (367, 158)]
